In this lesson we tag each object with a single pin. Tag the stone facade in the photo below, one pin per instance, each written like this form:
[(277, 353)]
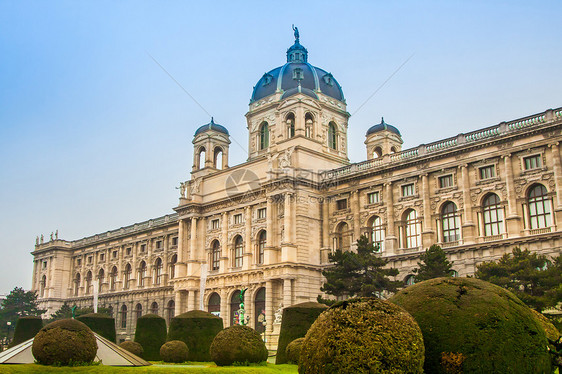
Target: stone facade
[(268, 225)]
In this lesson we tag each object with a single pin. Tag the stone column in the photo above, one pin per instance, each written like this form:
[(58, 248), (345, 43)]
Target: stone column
[(224, 308), (513, 219), (191, 300), (289, 250), (269, 312), (468, 225), (287, 292), (325, 217), (249, 259), (225, 245), (557, 168), (356, 209), (428, 232), (270, 252), (391, 240)]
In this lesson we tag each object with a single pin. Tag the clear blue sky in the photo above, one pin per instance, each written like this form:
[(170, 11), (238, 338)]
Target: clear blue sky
[(95, 136)]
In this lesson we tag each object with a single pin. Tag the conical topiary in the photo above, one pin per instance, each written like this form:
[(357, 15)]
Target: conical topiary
[(26, 328), (151, 334)]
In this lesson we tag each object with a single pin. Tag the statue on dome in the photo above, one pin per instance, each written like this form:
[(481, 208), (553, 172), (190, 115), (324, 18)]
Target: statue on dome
[(296, 30)]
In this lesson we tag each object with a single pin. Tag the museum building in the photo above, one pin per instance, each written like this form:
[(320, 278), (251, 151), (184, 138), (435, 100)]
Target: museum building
[(266, 226)]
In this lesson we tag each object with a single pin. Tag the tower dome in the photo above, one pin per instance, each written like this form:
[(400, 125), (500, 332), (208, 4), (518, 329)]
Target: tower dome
[(211, 126), (382, 126), (297, 76)]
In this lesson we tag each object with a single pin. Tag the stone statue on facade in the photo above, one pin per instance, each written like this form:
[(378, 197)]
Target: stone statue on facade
[(182, 188), (51, 236), (41, 238), (37, 240), (296, 30), (57, 234), (285, 158), (278, 314)]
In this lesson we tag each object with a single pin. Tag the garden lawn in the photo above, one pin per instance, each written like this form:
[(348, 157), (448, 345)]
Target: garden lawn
[(195, 367)]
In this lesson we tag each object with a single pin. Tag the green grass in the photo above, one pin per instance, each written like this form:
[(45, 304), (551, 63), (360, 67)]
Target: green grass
[(196, 368)]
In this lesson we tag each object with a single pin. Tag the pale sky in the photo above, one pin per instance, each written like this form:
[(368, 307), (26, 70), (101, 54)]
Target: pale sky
[(95, 136)]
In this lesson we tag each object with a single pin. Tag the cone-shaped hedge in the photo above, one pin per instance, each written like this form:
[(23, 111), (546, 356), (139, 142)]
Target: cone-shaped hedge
[(238, 344), (363, 335), (64, 342), (196, 329), (151, 334), (26, 328), (296, 321), (100, 323), (475, 327)]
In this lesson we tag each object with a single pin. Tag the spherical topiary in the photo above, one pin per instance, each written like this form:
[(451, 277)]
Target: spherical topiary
[(296, 321), (238, 344), (64, 342), (151, 334), (293, 351), (100, 323), (475, 326), (196, 329), (550, 330), (26, 328), (174, 351), (133, 347), (363, 335)]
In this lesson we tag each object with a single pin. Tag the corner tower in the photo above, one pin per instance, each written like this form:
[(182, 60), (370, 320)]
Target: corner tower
[(382, 139), (210, 149), (298, 107)]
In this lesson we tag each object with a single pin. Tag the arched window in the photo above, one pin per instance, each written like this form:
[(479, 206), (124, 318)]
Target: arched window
[(215, 304), (332, 136), (264, 135), (170, 310), (409, 280), (138, 311), (290, 125), (539, 207), (377, 232), (42, 285), (377, 152), (76, 284), (238, 251), (158, 271), (259, 311), (127, 276), (217, 158), (142, 274), (101, 279), (450, 222), (392, 149), (88, 282), (124, 316), (308, 125), (215, 255), (154, 308), (234, 308), (113, 278), (173, 262), (201, 158), (493, 215), (412, 233), (262, 240), (343, 237)]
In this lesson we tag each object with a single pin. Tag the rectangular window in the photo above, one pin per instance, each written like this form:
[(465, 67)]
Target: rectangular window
[(341, 204), (143, 248), (89, 259), (44, 264), (408, 190), (129, 250), (446, 181), (159, 244), (79, 262), (373, 197), (262, 213), (175, 241), (102, 256), (237, 219), (215, 224), (532, 162), (114, 254), (487, 172)]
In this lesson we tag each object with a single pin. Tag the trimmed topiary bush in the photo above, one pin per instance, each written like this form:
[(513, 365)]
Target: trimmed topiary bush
[(151, 334), (133, 347), (363, 335), (296, 321), (174, 351), (240, 344), (26, 328), (550, 330), (476, 327), (196, 329), (64, 342), (100, 323), (293, 351)]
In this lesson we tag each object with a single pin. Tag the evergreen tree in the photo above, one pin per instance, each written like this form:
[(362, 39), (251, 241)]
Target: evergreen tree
[(433, 264), (65, 311), (17, 304), (535, 279), (360, 273)]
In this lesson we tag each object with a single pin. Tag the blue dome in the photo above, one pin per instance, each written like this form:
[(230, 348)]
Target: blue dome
[(297, 72), (211, 126), (383, 126)]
